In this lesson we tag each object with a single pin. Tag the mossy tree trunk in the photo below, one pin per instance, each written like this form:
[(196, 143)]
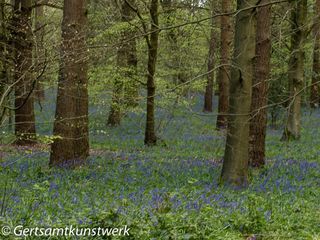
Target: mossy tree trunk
[(115, 114), (224, 71), (132, 87), (176, 62), (236, 157), (3, 42), (25, 129), (71, 145), (258, 124), (315, 84), (125, 89), (4, 62), (296, 70)]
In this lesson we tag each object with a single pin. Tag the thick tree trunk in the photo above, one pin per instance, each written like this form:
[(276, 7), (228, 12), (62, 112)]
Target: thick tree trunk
[(39, 50), (71, 145), (258, 122), (125, 89), (208, 96), (132, 88), (296, 70), (25, 129), (315, 85), (150, 135), (224, 70), (235, 164)]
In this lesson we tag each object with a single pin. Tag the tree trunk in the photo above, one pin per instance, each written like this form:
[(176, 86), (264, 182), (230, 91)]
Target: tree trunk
[(114, 118), (235, 164), (208, 96), (296, 70), (315, 93), (171, 35), (125, 90), (224, 70), (150, 136), (39, 50), (7, 58), (258, 122), (132, 87), (25, 129), (3, 42), (71, 145), (3, 62)]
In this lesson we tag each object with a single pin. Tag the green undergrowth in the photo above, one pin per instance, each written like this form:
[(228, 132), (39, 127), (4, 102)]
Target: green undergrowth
[(170, 191)]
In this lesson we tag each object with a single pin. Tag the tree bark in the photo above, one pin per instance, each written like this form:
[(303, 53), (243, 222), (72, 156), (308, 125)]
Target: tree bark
[(296, 70), (235, 164), (208, 96), (132, 88), (315, 84), (175, 63), (7, 59), (114, 118), (258, 124), (3, 61), (224, 70), (150, 136), (39, 50), (125, 93), (71, 143), (25, 129), (3, 42)]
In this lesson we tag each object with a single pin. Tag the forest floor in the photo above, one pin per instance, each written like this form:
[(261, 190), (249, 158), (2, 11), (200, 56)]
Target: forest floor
[(170, 191)]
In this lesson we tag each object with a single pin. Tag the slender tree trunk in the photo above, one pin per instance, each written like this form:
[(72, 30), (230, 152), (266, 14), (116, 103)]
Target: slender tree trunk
[(224, 71), (9, 57), (3, 42), (125, 90), (71, 145), (175, 63), (114, 118), (3, 62), (258, 124), (25, 129), (171, 35), (296, 70), (39, 50), (150, 135), (315, 85), (208, 96), (235, 164)]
